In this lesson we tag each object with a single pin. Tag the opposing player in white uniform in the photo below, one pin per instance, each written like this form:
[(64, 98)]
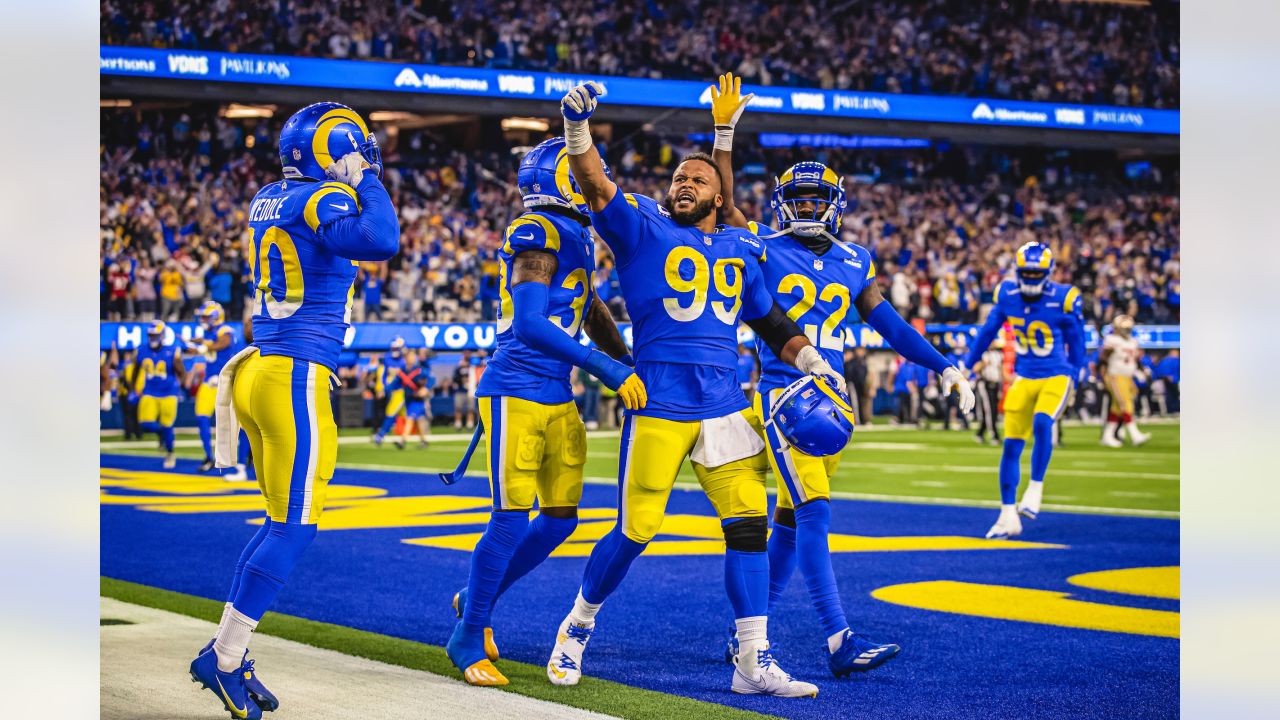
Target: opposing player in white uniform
[(1119, 360)]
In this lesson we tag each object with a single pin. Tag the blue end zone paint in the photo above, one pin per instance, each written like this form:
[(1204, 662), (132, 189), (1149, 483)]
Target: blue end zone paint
[(665, 627)]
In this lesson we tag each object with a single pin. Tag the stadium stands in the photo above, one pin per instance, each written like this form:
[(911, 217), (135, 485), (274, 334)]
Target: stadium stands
[(1097, 53)]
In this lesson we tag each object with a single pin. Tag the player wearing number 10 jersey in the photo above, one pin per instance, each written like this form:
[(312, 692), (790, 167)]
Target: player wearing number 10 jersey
[(687, 282), (1048, 333), (306, 236), (816, 279)]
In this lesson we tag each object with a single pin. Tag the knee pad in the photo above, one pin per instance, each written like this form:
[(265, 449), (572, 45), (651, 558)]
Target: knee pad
[(643, 524), (786, 517), (746, 534)]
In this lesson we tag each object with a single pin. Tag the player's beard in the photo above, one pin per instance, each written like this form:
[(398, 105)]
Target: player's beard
[(692, 217)]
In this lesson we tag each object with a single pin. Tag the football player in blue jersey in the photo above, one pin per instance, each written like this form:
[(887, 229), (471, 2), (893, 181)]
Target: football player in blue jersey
[(214, 350), (537, 442), (390, 386), (817, 279), (1048, 331), (158, 375), (687, 283), (307, 232)]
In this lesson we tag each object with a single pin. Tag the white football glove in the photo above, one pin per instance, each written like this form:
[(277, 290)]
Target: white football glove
[(348, 169), (810, 362), (580, 101), (951, 378)]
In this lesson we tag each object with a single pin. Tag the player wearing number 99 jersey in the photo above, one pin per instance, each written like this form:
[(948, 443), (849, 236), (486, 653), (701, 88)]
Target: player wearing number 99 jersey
[(816, 278), (1048, 336), (687, 283), (306, 235)]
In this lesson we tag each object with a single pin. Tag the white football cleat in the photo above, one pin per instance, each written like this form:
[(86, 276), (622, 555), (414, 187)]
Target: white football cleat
[(240, 474), (170, 461), (1008, 526), (768, 679), (1111, 441), (565, 665), (1136, 436), (1029, 506)]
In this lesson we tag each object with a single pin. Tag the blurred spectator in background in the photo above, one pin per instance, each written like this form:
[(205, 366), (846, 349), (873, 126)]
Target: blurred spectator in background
[(855, 376)]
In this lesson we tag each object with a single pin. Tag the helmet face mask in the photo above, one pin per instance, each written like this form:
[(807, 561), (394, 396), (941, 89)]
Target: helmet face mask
[(1034, 265), (210, 315), (809, 199)]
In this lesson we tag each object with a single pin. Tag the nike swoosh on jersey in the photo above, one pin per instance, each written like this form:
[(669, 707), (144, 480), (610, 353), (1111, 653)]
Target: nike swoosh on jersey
[(343, 207)]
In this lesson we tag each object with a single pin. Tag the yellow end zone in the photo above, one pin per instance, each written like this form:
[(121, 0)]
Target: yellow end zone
[(356, 507), (1045, 607)]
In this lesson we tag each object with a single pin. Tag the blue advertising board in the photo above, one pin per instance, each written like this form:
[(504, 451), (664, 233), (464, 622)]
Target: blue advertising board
[(530, 85), (452, 337)]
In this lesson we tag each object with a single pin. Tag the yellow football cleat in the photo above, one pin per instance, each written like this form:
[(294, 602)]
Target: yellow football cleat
[(484, 674)]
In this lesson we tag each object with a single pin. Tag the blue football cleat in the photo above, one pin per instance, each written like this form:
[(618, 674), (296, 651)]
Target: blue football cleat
[(460, 607), (377, 439), (731, 647), (259, 692), (229, 687), (467, 653), (857, 653)]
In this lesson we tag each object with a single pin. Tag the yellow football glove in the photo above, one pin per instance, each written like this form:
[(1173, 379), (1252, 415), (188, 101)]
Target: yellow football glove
[(727, 101), (633, 393)]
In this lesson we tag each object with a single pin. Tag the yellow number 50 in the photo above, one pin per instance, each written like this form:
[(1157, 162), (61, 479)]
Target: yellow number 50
[(728, 273)]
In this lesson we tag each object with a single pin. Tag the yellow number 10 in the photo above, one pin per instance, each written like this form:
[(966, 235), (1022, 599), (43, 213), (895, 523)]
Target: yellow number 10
[(293, 285)]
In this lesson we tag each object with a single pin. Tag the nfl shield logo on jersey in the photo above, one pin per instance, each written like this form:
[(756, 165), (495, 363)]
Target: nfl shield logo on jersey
[(817, 264)]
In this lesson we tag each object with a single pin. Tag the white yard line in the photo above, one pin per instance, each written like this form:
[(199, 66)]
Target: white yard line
[(144, 675)]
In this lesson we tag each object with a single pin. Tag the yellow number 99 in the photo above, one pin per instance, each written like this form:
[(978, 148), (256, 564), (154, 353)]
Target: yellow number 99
[(696, 285)]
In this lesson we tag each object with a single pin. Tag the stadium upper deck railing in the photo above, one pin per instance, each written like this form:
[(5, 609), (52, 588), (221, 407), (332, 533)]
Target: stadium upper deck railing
[(285, 71), (450, 337)]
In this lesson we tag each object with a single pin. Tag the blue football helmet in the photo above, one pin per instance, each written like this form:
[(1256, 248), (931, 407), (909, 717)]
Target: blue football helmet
[(319, 134), (809, 182), (1034, 265), (813, 417), (544, 177), (155, 333), (211, 314), (397, 347)]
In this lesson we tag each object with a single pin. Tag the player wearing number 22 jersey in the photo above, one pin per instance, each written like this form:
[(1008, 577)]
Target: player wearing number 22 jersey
[(306, 236), (536, 440), (687, 283), (818, 280), (1048, 333)]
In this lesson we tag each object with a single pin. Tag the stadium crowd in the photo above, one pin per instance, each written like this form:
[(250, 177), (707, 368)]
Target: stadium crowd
[(942, 222), (1020, 49)]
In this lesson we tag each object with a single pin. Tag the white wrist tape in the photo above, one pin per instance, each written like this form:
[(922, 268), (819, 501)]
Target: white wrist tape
[(724, 138), (810, 362), (577, 136)]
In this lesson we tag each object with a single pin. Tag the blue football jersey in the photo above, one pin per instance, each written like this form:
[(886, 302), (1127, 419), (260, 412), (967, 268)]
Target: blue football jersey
[(1048, 332), (685, 292), (304, 289), (216, 360), (389, 373), (156, 369), (517, 369), (817, 291)]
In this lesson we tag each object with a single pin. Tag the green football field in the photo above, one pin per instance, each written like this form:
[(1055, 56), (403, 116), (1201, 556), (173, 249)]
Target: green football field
[(881, 463)]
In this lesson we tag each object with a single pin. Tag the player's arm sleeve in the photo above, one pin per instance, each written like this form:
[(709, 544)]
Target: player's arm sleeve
[(622, 226), (986, 334), (359, 224), (904, 339), (533, 328)]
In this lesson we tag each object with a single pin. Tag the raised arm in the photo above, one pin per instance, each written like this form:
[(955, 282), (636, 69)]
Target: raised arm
[(584, 160), (603, 331), (727, 104), (359, 223)]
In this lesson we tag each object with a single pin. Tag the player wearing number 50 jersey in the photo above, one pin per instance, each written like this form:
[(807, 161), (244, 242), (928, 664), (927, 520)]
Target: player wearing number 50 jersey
[(307, 232), (536, 441), (817, 280), (1048, 333)]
